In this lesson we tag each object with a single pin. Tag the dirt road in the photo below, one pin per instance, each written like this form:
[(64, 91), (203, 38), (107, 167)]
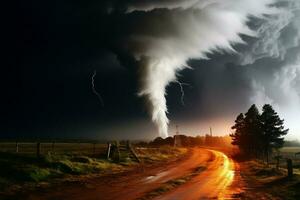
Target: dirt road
[(214, 182)]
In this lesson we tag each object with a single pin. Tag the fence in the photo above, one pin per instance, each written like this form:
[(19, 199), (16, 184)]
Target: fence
[(289, 162), (40, 148), (110, 150)]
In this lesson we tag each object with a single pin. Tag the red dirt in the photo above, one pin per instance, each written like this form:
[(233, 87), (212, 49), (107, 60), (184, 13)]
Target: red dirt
[(220, 180)]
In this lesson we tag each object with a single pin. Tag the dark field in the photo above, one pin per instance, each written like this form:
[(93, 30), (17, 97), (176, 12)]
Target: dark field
[(290, 152), (22, 169), (60, 148)]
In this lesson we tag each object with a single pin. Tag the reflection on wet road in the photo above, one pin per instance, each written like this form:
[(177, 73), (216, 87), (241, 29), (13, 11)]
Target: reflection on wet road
[(213, 183)]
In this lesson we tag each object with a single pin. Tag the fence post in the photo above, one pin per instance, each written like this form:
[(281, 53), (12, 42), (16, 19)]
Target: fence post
[(38, 149), (134, 154), (290, 167), (17, 147), (108, 150)]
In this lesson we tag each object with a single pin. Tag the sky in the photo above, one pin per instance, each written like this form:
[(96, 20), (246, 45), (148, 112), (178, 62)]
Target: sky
[(140, 57)]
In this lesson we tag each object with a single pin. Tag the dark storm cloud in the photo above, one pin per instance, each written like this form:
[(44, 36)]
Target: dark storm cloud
[(48, 92), (211, 81), (271, 75), (160, 37), (276, 64), (61, 43)]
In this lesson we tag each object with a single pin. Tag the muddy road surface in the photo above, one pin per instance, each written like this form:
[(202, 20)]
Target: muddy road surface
[(219, 179)]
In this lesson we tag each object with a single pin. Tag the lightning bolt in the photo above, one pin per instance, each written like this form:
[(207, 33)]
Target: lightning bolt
[(182, 90), (94, 89)]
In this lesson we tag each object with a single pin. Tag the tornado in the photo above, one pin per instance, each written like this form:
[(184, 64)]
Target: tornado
[(159, 37)]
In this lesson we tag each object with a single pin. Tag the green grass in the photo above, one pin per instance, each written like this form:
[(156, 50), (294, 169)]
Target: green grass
[(149, 155), (17, 168), (290, 150), (285, 188), (59, 148), (274, 181), (20, 169)]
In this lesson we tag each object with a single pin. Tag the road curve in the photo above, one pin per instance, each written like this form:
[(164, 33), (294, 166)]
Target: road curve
[(213, 183), (130, 188)]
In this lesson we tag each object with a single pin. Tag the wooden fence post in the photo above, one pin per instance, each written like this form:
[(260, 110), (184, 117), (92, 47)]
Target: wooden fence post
[(134, 154), (38, 149), (290, 167), (17, 147), (108, 150)]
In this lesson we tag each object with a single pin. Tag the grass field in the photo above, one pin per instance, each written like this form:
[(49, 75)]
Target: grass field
[(291, 150), (271, 181), (59, 148), (19, 169)]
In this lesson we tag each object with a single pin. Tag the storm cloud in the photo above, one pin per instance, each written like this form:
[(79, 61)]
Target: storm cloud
[(241, 52), (161, 36), (276, 55)]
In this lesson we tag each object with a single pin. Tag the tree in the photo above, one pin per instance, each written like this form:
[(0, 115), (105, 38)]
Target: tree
[(253, 132), (257, 135), (238, 137), (272, 129)]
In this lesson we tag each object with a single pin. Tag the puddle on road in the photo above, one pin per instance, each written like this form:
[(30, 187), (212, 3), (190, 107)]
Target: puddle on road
[(150, 179)]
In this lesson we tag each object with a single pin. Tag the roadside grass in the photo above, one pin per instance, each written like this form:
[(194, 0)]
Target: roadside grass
[(262, 170), (270, 180), (74, 147), (290, 149), (17, 170), (285, 188), (172, 184), (150, 155), (290, 152)]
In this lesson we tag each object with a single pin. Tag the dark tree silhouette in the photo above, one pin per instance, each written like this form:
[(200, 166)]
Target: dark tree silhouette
[(253, 132), (273, 130), (257, 135), (238, 137), (191, 141)]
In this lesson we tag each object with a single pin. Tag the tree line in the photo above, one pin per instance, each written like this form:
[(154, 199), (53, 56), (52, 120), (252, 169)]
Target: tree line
[(258, 134), (190, 141)]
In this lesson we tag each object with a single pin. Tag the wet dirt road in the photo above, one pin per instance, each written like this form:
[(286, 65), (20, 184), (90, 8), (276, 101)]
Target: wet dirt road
[(215, 182)]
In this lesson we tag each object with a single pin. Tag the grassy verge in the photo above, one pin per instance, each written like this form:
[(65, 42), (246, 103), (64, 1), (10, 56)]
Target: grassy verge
[(271, 181), (19, 170), (150, 155), (172, 184)]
